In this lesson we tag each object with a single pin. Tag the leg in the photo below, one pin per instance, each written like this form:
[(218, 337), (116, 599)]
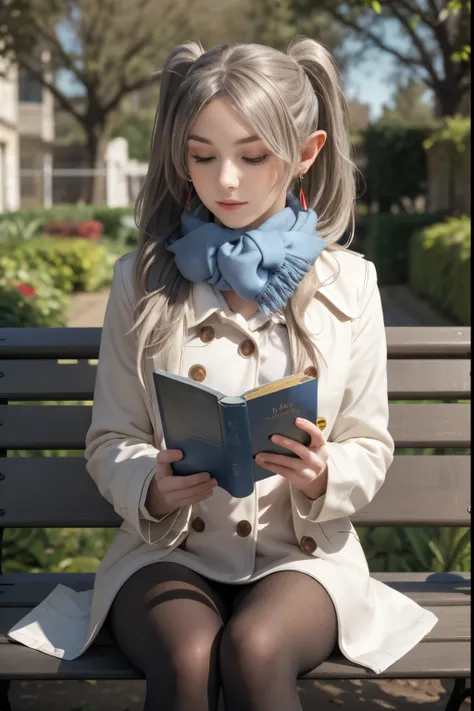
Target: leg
[(4, 703), (283, 627), (458, 695), (167, 620)]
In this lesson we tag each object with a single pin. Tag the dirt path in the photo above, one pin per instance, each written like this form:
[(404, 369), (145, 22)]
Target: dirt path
[(395, 695)]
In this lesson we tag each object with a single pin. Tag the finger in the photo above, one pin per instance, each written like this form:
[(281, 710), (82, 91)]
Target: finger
[(280, 460), (166, 456), (183, 482), (297, 448), (300, 478), (178, 494), (317, 437)]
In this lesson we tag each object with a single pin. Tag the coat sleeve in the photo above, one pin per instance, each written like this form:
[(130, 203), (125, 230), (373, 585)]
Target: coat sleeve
[(361, 448), (121, 444)]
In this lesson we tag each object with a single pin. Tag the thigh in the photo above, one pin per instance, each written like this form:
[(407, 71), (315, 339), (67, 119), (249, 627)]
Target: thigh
[(164, 608), (288, 611)]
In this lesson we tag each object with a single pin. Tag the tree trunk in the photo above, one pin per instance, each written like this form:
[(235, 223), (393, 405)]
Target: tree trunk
[(448, 99), (97, 139)]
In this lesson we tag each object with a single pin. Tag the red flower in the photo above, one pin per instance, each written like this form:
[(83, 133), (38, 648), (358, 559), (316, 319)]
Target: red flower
[(26, 290)]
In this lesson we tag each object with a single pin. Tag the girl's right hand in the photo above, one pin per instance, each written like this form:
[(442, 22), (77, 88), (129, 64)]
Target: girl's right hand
[(168, 492)]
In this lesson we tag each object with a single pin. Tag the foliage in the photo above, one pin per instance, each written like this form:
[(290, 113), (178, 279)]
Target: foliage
[(74, 264), (28, 297), (408, 106), (396, 165), (387, 243), (34, 220), (435, 47), (440, 264), (18, 229), (89, 229), (455, 130), (55, 550), (416, 549)]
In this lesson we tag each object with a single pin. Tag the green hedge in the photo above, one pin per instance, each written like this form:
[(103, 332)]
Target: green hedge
[(74, 264), (28, 297), (440, 265), (396, 166), (387, 242), (110, 217)]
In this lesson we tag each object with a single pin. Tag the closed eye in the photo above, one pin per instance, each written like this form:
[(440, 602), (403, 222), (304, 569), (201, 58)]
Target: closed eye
[(251, 161)]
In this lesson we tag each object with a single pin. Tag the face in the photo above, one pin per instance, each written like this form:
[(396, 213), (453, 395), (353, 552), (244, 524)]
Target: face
[(234, 173)]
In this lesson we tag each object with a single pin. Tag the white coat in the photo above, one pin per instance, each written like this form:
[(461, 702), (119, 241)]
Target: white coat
[(377, 625)]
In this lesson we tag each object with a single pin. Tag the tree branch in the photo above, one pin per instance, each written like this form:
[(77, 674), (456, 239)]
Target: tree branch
[(127, 89), (410, 62), (417, 41), (62, 99)]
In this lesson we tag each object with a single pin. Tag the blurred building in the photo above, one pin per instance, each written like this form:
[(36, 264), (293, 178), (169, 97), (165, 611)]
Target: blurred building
[(26, 139), (9, 139)]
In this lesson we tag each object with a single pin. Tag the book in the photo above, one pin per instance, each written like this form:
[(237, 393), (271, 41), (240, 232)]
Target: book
[(222, 434)]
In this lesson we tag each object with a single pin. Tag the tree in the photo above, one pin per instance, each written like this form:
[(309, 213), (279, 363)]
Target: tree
[(108, 49), (435, 39), (408, 107)]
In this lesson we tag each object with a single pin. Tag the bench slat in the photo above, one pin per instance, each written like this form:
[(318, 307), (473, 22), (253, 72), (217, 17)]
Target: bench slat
[(426, 589), (453, 625), (46, 380), (426, 342), (50, 380), (418, 490), (65, 427), (427, 660)]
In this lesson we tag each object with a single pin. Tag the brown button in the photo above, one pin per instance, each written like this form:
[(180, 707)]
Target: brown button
[(198, 525), (311, 371), (308, 544), (198, 373), (207, 334), (247, 348), (244, 529)]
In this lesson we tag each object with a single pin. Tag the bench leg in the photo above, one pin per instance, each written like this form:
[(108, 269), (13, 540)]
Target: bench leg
[(458, 695), (4, 703)]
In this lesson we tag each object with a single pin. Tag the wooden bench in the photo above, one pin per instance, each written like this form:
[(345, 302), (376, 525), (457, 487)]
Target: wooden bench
[(424, 364)]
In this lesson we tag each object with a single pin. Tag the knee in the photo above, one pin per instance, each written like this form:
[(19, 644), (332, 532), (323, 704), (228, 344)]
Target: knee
[(193, 657), (252, 649)]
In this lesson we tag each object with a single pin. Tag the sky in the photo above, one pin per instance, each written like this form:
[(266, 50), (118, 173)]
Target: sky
[(368, 82)]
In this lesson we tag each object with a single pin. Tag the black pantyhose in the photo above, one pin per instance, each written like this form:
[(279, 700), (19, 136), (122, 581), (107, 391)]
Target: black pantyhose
[(190, 636)]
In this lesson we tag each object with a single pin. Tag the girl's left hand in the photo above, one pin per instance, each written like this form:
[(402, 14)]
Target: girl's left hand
[(307, 472)]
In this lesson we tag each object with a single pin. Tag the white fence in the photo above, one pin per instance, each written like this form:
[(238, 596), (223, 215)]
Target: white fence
[(49, 185)]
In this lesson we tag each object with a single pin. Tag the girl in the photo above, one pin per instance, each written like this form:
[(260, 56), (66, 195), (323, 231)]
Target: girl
[(237, 283)]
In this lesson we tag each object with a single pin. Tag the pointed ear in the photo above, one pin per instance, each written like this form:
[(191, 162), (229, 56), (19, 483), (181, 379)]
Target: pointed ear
[(310, 151)]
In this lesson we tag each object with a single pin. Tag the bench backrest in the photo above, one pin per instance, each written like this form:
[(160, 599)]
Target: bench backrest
[(428, 364)]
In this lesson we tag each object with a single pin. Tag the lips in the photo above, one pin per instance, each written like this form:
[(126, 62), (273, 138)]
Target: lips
[(231, 205)]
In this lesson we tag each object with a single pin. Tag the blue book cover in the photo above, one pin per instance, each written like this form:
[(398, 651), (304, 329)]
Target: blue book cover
[(221, 435)]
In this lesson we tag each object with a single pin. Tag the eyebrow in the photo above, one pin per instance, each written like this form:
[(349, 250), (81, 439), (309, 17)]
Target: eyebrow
[(241, 141)]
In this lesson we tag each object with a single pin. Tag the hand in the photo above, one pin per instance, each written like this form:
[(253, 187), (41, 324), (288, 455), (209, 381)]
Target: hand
[(308, 472), (168, 492)]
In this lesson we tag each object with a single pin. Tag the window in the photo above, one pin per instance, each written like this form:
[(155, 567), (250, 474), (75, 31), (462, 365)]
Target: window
[(29, 88)]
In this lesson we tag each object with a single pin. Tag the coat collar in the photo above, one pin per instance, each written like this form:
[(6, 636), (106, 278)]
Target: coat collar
[(336, 289)]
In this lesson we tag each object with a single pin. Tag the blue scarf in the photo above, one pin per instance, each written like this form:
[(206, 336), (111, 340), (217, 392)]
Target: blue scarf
[(265, 264)]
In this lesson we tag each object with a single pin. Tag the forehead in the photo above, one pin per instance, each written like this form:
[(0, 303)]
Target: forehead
[(220, 120)]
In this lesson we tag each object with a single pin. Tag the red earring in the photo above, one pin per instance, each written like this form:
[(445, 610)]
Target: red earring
[(303, 201), (190, 194)]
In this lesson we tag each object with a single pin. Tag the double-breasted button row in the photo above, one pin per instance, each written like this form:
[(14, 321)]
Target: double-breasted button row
[(243, 528)]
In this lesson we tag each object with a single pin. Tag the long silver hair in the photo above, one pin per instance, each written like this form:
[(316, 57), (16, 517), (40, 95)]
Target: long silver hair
[(285, 98)]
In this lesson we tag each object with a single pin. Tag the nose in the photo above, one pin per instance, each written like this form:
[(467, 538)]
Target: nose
[(228, 176)]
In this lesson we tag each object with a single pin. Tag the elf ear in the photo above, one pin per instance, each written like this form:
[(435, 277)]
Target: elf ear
[(310, 151)]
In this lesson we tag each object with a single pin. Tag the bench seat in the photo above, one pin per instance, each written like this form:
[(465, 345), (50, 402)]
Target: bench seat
[(445, 594)]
